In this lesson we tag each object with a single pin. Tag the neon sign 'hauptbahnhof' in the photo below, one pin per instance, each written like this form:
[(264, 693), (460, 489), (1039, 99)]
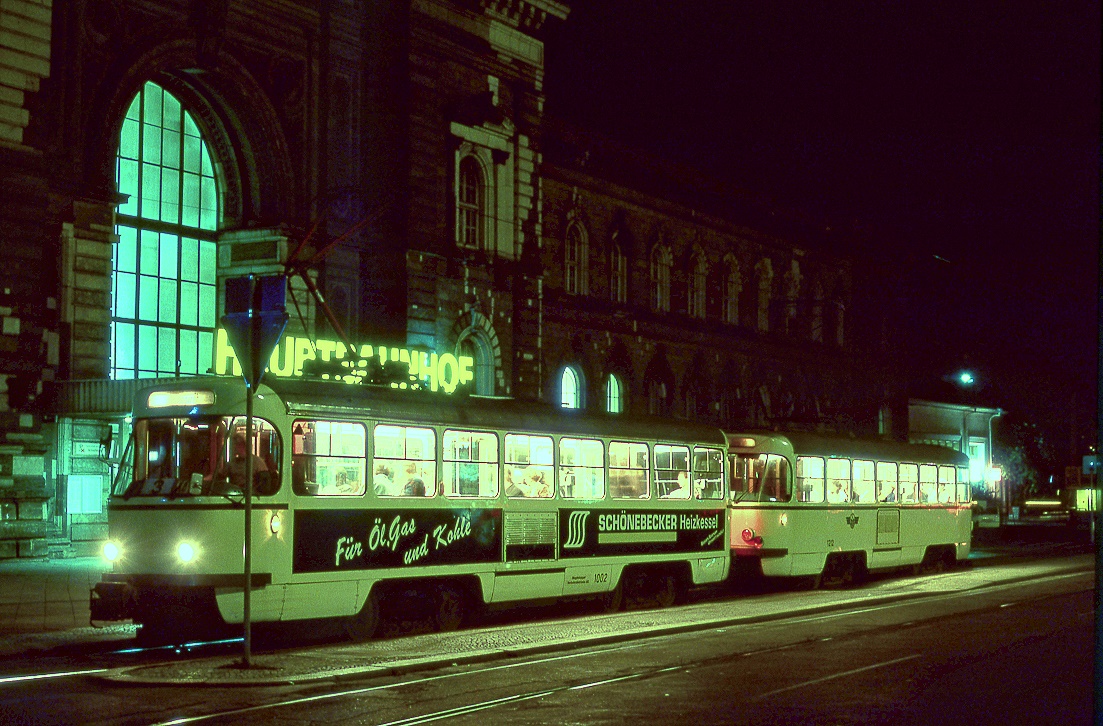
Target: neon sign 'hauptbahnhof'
[(437, 372)]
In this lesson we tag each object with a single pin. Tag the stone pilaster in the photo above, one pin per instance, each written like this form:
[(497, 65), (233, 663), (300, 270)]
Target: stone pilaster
[(24, 61), (263, 251), (86, 246)]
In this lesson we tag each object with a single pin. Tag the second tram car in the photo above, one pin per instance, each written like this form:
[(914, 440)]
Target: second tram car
[(807, 505), (366, 498)]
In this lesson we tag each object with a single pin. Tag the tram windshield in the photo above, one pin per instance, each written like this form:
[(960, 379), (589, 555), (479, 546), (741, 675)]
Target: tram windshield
[(199, 456), (760, 478)]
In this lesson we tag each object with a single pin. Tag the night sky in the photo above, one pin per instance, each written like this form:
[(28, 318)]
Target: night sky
[(965, 135)]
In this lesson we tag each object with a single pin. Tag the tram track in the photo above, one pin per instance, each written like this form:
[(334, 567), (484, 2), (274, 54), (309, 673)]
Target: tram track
[(892, 617), (94, 660)]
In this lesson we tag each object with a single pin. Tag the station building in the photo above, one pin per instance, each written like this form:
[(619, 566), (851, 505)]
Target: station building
[(400, 151)]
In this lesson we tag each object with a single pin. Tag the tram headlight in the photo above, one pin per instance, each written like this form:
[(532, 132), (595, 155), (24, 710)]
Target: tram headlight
[(275, 525), (111, 551), (185, 551)]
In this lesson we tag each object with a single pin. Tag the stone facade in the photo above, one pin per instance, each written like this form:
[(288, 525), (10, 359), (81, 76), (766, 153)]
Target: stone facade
[(396, 153), (766, 342)]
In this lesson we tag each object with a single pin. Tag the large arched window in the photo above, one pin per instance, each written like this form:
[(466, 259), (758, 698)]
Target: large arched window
[(614, 394), (661, 261), (574, 261), (163, 297), (698, 286), (570, 388), (470, 204)]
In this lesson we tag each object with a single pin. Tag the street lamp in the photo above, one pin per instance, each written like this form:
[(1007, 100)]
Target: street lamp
[(966, 378)]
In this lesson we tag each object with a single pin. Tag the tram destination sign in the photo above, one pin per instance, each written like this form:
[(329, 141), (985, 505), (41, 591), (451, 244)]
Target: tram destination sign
[(589, 532), (327, 540)]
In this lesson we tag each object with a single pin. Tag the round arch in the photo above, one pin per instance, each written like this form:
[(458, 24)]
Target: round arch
[(241, 125), (475, 331)]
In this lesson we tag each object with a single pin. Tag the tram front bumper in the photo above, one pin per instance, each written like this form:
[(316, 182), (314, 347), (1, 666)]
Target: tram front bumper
[(110, 601)]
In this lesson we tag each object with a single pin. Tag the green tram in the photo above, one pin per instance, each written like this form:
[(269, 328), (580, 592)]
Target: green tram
[(367, 498), (808, 505)]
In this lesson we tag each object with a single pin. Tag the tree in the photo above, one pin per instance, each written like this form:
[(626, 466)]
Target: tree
[(1025, 455)]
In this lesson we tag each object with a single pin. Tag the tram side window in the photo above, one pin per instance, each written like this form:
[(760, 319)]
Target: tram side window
[(628, 470), (863, 486), (838, 481), (328, 458), (963, 485), (946, 484), (470, 464), (909, 483), (405, 461), (747, 471), (775, 484), (886, 482), (809, 479), (928, 479), (581, 468), (708, 473), (672, 471), (529, 466)]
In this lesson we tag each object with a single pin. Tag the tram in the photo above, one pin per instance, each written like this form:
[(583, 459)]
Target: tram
[(836, 508), (366, 498)]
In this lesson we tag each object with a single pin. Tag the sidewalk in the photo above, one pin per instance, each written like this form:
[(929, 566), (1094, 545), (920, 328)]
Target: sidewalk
[(44, 603), (39, 596)]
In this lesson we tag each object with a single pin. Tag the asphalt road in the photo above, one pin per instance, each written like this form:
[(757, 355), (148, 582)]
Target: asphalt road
[(1007, 643)]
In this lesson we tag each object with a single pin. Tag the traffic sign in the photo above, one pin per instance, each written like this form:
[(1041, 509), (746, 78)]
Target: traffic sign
[(254, 321)]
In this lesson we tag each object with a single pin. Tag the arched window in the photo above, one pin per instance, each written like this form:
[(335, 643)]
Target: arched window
[(570, 388), (698, 287), (765, 273), (656, 398), (574, 261), (614, 394), (470, 204), (733, 286), (817, 312), (618, 275), (473, 343), (163, 296), (661, 261)]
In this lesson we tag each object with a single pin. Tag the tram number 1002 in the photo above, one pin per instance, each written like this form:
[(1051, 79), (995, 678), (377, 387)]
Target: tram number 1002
[(601, 577), (830, 543)]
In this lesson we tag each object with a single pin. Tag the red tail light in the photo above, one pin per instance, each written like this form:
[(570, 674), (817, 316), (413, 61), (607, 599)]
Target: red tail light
[(751, 538)]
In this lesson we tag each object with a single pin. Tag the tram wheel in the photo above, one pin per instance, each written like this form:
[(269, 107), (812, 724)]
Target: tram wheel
[(666, 590), (450, 609), (363, 625), (613, 600)]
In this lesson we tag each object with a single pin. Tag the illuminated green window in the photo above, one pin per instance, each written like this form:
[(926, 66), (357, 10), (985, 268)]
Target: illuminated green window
[(614, 394), (570, 388), (163, 268)]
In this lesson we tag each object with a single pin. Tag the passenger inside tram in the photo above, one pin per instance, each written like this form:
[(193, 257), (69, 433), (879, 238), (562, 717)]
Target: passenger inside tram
[(838, 493)]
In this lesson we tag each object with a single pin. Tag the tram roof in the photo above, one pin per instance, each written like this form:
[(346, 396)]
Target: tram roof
[(313, 397), (841, 446)]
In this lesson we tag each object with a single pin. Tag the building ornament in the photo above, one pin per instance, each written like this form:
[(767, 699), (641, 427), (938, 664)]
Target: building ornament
[(528, 15)]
